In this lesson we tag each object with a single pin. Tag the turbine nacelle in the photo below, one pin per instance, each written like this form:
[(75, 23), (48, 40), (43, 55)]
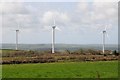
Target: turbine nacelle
[(17, 30), (104, 31), (54, 27)]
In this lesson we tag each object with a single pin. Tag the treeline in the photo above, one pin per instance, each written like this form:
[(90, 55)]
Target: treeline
[(21, 56)]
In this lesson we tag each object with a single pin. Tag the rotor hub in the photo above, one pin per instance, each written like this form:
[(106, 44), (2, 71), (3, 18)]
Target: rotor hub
[(54, 27)]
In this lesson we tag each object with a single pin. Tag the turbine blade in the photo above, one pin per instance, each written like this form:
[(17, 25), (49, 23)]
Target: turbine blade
[(47, 28), (18, 26), (54, 21), (101, 32), (107, 35), (58, 29), (105, 28)]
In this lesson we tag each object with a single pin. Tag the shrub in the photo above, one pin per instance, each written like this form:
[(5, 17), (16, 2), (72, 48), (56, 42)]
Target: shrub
[(105, 54), (115, 53), (67, 51)]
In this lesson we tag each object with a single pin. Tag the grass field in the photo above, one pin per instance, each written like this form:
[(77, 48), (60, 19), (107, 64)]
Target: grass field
[(102, 69)]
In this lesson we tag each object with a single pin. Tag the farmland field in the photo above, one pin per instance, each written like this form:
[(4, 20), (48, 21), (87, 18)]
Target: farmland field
[(98, 69)]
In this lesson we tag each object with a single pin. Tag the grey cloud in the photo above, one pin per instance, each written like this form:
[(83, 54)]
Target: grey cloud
[(37, 18), (13, 8)]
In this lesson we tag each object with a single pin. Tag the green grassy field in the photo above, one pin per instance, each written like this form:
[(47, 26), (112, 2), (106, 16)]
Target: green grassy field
[(105, 69)]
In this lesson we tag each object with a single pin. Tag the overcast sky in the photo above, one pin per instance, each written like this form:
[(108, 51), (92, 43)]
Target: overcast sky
[(77, 22)]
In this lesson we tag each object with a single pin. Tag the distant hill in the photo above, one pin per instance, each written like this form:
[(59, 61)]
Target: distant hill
[(59, 46)]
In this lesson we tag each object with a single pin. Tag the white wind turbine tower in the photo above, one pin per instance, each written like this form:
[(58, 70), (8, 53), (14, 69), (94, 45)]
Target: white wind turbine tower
[(17, 39), (53, 34), (53, 37), (17, 31), (104, 39)]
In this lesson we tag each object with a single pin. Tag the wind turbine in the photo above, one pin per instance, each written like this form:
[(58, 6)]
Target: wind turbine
[(53, 37), (17, 39), (104, 39), (17, 32)]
